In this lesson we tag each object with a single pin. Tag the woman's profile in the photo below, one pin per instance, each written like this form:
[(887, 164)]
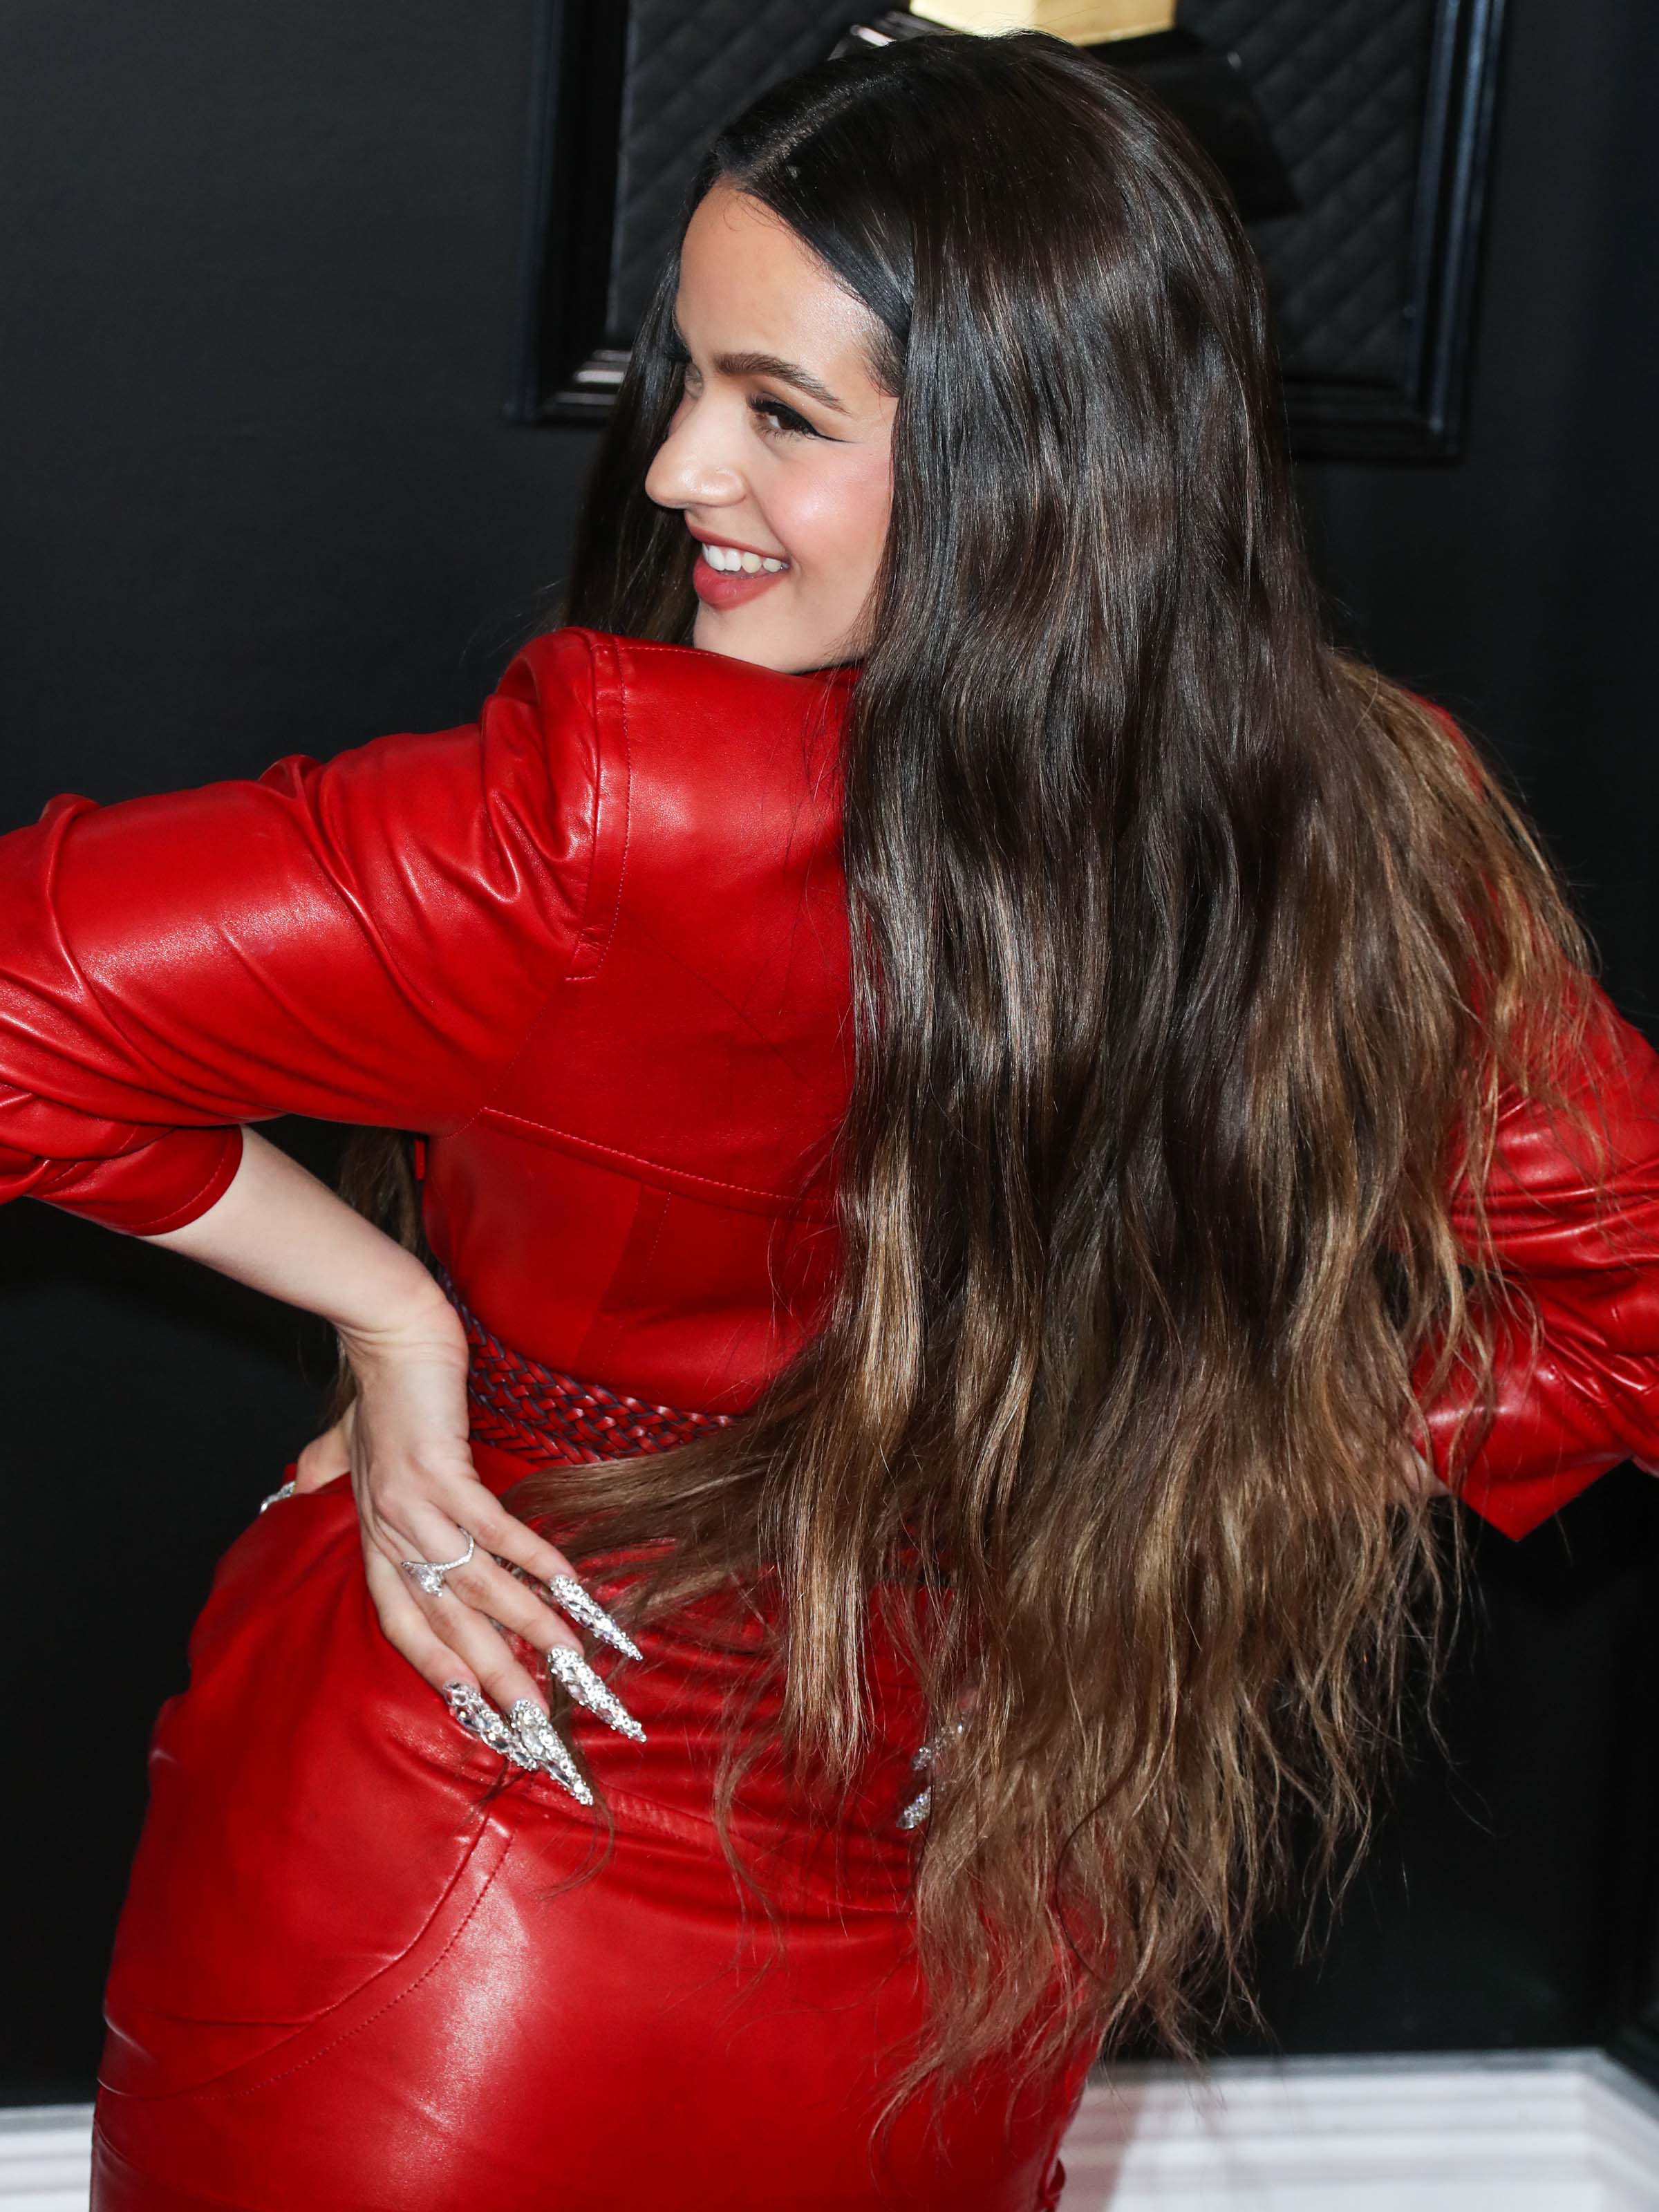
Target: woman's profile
[(966, 1124)]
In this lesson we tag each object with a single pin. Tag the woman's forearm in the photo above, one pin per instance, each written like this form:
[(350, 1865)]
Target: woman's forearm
[(277, 1228)]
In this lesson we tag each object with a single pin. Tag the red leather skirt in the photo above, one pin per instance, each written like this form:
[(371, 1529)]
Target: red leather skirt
[(357, 1969)]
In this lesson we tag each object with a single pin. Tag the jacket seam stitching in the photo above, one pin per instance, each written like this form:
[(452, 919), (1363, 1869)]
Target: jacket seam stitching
[(168, 1215), (486, 1103), (640, 1159), (628, 831)]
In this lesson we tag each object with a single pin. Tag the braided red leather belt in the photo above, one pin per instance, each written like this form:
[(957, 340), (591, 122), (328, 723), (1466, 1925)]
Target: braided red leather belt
[(542, 1414)]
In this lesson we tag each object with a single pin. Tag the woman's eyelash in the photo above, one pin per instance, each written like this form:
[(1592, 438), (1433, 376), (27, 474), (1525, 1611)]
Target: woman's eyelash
[(786, 422)]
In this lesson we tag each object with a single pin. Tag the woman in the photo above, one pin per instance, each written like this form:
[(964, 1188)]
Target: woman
[(990, 1108)]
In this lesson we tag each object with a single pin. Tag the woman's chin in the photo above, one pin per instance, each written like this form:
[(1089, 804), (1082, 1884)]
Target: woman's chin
[(725, 631), (778, 647)]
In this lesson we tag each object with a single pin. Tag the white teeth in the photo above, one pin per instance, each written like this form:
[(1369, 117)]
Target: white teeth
[(729, 561)]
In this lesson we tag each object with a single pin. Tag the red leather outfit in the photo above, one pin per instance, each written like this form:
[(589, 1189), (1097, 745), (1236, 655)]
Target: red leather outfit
[(594, 947)]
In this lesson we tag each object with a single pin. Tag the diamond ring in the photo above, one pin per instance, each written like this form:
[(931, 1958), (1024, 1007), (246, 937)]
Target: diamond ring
[(429, 1573)]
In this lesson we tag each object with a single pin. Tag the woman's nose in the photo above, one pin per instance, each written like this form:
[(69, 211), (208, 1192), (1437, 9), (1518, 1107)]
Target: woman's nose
[(693, 466)]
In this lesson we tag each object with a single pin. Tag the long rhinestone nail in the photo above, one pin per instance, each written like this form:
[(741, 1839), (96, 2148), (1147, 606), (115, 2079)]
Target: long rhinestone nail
[(479, 1717), (570, 1597), (540, 1736), (569, 1669), (916, 1811), (928, 1752)]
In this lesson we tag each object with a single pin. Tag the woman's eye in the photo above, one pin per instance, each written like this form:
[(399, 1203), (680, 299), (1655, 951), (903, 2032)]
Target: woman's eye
[(776, 420), (783, 421)]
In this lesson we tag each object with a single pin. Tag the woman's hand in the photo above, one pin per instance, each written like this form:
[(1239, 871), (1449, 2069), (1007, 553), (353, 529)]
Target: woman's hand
[(404, 1441), (404, 1444)]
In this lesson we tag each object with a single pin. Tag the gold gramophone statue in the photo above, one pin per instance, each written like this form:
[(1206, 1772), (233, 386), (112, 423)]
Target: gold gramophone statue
[(1085, 22)]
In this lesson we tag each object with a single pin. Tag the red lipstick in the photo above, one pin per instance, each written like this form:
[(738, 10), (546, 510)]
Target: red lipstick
[(724, 587)]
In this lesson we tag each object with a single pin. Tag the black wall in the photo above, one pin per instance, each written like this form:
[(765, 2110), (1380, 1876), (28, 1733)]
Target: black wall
[(1512, 1898), (260, 274)]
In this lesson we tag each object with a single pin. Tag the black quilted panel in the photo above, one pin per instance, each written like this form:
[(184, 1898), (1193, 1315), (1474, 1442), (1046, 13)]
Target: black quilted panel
[(1341, 84), (693, 65), (1371, 277)]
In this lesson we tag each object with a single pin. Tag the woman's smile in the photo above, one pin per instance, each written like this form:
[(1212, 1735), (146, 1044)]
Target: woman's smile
[(726, 576), (778, 454)]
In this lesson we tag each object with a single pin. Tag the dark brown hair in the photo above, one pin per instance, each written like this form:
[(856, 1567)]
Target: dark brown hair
[(1192, 958)]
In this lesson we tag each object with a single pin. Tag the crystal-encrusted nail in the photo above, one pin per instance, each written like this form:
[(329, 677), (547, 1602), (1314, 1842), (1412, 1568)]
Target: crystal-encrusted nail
[(540, 1736), (916, 1811), (572, 1671), (924, 1756), (570, 1597), (928, 1752), (479, 1717)]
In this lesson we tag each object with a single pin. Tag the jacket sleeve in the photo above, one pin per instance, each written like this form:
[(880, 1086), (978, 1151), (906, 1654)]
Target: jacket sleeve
[(367, 940), (1586, 1395)]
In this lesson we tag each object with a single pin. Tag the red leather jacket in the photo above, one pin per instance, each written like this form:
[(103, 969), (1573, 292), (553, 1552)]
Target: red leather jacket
[(594, 947)]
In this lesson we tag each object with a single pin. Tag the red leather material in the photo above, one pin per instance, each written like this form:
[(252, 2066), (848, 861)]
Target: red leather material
[(1588, 1396), (344, 1979), (593, 948)]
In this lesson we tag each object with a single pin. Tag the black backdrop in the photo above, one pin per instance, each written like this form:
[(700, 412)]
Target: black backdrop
[(260, 277)]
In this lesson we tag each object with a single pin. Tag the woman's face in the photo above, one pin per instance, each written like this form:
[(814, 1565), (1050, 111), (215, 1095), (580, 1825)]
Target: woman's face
[(780, 452)]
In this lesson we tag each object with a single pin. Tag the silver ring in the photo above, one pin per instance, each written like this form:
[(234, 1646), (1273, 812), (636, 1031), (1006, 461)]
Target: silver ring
[(429, 1573)]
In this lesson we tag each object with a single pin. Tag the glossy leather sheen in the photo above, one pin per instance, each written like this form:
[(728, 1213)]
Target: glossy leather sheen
[(348, 1975), (594, 947)]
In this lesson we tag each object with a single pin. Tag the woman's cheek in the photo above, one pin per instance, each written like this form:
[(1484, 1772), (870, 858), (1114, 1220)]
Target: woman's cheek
[(836, 528), (868, 510)]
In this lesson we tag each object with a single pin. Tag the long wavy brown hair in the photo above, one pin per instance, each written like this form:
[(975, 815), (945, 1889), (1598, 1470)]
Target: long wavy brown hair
[(1192, 962)]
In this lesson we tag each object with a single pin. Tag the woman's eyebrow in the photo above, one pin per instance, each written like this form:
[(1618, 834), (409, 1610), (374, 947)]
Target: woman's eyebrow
[(770, 364), (787, 372)]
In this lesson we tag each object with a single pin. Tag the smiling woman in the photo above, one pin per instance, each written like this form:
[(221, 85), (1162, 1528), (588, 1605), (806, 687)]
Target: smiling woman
[(780, 451), (962, 1221)]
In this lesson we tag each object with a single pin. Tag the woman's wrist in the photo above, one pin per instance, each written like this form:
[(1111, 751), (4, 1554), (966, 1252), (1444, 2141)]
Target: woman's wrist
[(411, 1317)]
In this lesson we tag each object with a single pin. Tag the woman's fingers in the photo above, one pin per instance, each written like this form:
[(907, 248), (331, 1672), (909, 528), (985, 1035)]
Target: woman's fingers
[(445, 1641), (405, 1626), (444, 1518), (507, 1536), (486, 1586), (402, 1502), (507, 1712), (502, 1675), (479, 1604)]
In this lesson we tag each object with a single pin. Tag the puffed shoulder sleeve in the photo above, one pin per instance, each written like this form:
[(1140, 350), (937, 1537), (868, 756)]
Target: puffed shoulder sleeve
[(364, 939), (1586, 1395)]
